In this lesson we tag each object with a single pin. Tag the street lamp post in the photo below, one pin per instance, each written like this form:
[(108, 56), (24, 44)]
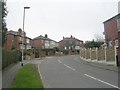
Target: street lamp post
[(23, 34)]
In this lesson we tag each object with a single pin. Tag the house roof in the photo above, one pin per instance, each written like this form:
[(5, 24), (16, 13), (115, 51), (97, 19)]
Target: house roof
[(69, 38), (118, 15), (43, 38), (16, 33), (12, 32)]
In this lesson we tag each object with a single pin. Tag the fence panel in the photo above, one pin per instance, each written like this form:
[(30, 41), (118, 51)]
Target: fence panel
[(101, 54), (93, 54), (98, 54), (87, 53), (110, 54)]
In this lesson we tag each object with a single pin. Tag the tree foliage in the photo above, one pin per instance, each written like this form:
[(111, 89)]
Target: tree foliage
[(4, 28), (92, 44)]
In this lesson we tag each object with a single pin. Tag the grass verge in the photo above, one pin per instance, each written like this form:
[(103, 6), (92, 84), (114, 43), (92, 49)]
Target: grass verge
[(27, 77)]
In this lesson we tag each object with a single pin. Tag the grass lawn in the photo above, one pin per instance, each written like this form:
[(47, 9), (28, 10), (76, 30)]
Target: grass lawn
[(27, 77)]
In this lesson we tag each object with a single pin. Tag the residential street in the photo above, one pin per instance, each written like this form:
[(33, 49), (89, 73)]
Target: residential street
[(71, 72)]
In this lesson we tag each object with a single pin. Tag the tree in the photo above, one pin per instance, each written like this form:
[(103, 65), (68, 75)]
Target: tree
[(4, 28), (93, 43), (98, 38)]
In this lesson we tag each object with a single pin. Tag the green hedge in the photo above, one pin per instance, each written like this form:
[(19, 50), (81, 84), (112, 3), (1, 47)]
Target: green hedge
[(9, 57)]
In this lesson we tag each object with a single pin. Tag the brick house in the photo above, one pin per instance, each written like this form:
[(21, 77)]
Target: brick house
[(14, 40), (111, 31), (38, 42), (112, 34), (42, 42), (70, 43)]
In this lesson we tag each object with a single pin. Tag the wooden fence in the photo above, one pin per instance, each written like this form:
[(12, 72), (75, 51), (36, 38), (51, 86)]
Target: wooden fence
[(99, 54)]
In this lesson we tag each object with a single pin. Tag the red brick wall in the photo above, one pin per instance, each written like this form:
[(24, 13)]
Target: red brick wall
[(63, 43), (119, 50), (110, 29), (38, 43), (18, 42), (9, 43), (12, 41)]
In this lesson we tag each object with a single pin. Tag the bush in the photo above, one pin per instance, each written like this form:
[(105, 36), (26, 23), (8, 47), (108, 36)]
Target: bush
[(9, 57), (65, 52)]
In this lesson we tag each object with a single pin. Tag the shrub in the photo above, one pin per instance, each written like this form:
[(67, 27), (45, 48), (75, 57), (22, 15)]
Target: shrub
[(9, 57)]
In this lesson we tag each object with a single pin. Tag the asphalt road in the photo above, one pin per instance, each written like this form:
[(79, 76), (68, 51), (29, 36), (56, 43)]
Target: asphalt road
[(71, 72)]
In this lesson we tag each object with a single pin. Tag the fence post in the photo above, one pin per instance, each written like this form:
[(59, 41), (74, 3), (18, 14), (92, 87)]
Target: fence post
[(105, 54), (90, 53), (115, 49), (80, 52), (96, 53), (85, 54)]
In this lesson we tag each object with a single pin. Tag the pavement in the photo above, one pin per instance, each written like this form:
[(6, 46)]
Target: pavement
[(72, 72), (9, 73), (102, 64)]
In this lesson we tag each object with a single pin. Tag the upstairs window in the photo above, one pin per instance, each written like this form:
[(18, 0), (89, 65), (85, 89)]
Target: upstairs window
[(116, 42), (28, 41), (110, 43)]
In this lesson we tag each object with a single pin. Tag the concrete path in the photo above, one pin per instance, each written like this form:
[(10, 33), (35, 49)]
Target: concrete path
[(101, 64), (9, 74)]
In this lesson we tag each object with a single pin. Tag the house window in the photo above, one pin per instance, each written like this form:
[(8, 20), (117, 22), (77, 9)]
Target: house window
[(110, 43), (21, 39), (69, 47), (65, 48), (28, 41), (77, 47), (28, 47), (22, 46), (116, 42)]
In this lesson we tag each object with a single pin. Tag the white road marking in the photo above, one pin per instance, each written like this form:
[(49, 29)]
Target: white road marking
[(59, 61), (101, 81), (69, 67)]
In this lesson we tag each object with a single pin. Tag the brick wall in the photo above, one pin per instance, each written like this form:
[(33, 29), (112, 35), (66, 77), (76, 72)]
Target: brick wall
[(68, 42), (10, 41), (38, 43), (13, 41), (110, 30)]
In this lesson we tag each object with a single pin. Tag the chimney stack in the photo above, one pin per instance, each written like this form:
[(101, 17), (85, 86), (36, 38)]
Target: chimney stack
[(46, 36)]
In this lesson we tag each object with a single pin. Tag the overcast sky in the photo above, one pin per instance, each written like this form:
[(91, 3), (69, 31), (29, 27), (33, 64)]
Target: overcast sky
[(81, 18)]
